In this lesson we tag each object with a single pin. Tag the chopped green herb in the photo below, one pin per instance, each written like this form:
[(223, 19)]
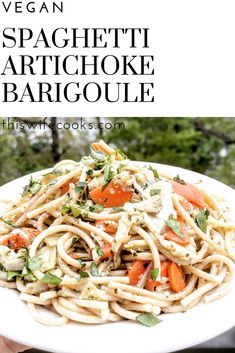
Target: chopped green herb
[(118, 209), (155, 172), (82, 263), (174, 225), (94, 270), (84, 274), (80, 186), (148, 319), (119, 151), (65, 209), (154, 192), (154, 273), (49, 278), (27, 273), (99, 251), (89, 172), (76, 210), (34, 263), (179, 180), (108, 173), (201, 220), (12, 274), (96, 208), (33, 187), (74, 241), (10, 223), (146, 185)]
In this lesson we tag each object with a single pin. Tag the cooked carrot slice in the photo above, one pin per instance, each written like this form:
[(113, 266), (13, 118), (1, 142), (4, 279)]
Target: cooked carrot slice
[(65, 187), (17, 241), (136, 271), (113, 195), (107, 251), (189, 192), (186, 205), (176, 278), (106, 227), (14, 242)]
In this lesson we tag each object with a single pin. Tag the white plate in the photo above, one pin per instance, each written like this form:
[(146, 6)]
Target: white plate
[(176, 331)]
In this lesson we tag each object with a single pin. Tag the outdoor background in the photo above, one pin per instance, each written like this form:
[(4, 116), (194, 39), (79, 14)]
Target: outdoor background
[(206, 145)]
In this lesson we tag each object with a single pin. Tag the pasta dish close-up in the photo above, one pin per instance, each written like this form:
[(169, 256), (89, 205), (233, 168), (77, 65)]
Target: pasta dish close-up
[(106, 239)]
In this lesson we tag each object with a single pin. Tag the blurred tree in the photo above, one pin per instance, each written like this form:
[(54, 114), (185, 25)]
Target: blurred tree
[(205, 145)]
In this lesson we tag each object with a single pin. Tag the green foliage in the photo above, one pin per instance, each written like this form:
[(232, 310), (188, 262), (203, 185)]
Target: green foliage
[(175, 141)]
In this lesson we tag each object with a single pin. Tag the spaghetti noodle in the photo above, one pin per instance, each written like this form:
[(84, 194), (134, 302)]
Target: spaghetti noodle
[(105, 239)]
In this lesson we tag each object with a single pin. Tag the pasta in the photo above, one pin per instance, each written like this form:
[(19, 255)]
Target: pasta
[(106, 239)]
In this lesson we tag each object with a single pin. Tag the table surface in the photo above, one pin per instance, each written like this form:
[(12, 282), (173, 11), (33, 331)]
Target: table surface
[(221, 342)]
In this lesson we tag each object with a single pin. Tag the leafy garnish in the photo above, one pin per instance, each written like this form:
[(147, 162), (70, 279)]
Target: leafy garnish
[(34, 263), (2, 268), (65, 209), (80, 186), (201, 220), (147, 184), (76, 210), (155, 172), (49, 278), (148, 319), (99, 251), (84, 274), (73, 242), (96, 208), (89, 172), (108, 173), (94, 270), (10, 223), (154, 192), (119, 151), (12, 274), (118, 209), (174, 225), (33, 187), (154, 273), (82, 263), (179, 180)]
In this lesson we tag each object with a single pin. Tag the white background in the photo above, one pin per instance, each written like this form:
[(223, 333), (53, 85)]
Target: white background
[(193, 43)]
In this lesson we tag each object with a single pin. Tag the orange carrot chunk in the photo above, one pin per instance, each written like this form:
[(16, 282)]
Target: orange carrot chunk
[(113, 195), (65, 187), (108, 228), (136, 271), (17, 241), (106, 250), (190, 193), (14, 242), (176, 278)]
